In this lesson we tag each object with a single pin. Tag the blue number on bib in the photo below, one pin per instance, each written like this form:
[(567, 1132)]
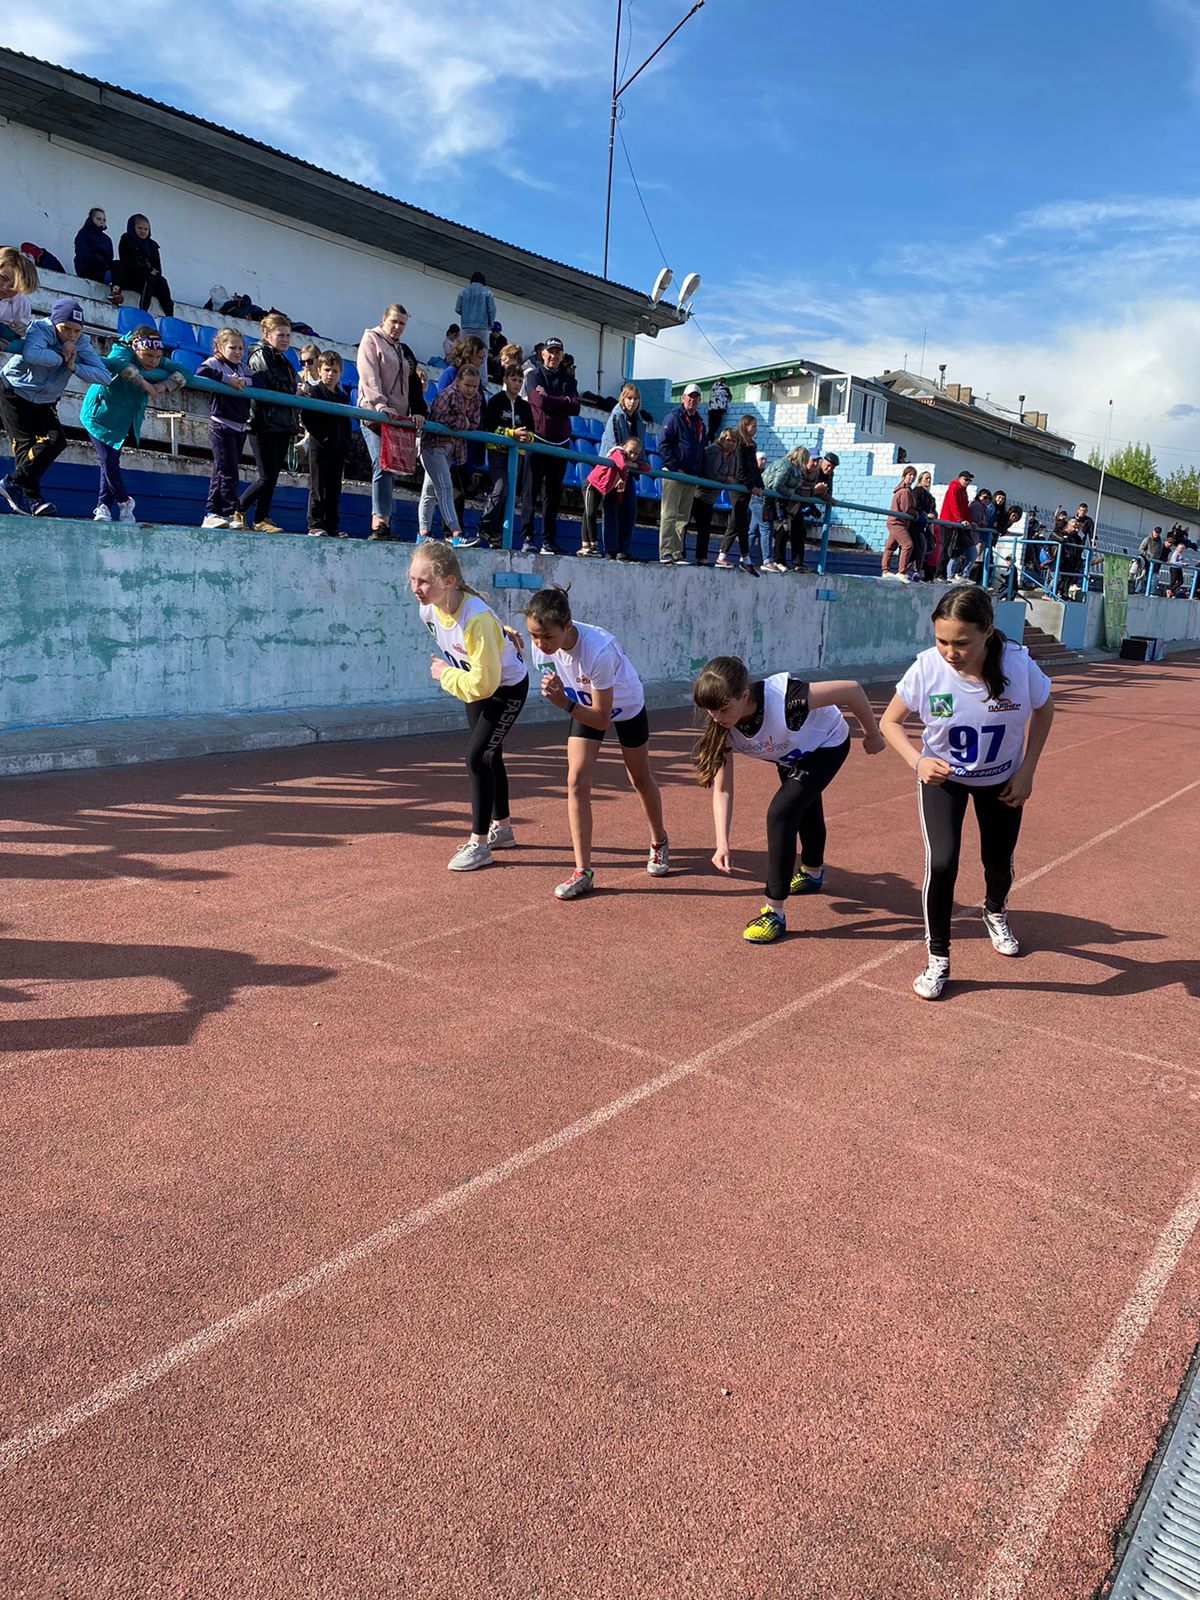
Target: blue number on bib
[(578, 697), (463, 666), (964, 743)]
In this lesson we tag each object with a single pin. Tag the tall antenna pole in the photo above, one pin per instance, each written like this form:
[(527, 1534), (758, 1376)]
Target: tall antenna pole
[(612, 135)]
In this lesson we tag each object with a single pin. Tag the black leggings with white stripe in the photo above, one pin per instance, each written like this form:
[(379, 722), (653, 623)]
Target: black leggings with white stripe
[(942, 807), (796, 813), (490, 722)]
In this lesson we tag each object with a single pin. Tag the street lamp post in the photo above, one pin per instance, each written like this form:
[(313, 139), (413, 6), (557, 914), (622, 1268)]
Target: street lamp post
[(618, 89)]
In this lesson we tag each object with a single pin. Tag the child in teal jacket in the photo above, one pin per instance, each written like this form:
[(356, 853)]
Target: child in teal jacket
[(110, 415)]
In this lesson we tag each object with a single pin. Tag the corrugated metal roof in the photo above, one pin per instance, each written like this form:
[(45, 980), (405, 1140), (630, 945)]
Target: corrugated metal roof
[(135, 127)]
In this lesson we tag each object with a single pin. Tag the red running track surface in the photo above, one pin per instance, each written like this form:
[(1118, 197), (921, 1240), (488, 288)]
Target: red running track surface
[(375, 1231)]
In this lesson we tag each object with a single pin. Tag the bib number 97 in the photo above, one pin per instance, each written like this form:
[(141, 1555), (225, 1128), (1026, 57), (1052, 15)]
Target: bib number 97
[(964, 743)]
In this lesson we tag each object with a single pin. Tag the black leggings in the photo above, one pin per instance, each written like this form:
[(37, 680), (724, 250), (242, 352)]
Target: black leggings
[(270, 453), (942, 807), (796, 810), (490, 721), (789, 530), (739, 528)]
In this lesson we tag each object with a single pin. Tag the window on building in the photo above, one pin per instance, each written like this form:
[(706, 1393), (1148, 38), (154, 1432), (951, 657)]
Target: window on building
[(868, 412), (831, 397)]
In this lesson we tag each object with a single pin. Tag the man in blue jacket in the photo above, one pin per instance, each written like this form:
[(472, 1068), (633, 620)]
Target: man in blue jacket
[(31, 385), (681, 442)]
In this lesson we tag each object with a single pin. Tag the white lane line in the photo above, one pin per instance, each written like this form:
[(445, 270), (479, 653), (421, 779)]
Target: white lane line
[(1099, 838), (1003, 1176), (23, 1445), (1017, 1552), (1011, 1020)]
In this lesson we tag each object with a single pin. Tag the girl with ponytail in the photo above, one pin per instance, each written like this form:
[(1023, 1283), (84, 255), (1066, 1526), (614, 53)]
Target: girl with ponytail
[(985, 709), (800, 727), (481, 664)]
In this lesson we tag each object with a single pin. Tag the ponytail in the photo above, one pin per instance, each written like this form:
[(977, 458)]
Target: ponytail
[(974, 605), (725, 678), (444, 562)]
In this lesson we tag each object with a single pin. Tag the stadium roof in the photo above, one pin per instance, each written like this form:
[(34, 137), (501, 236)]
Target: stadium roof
[(101, 116)]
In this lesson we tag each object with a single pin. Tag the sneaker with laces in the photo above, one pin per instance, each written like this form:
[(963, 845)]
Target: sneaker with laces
[(238, 521), (15, 496), (930, 983), (748, 566), (501, 837), (267, 526), (214, 521), (102, 514), (805, 883), (722, 565), (578, 883), (528, 548), (126, 511), (470, 857), (999, 932), (766, 927), (43, 508), (771, 566), (658, 862), (460, 541)]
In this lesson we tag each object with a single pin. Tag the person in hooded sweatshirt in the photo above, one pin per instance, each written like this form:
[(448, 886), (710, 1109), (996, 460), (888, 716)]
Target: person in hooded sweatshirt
[(94, 254), (141, 266)]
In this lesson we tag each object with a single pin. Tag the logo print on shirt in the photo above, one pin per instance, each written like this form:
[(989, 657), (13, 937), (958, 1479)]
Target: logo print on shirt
[(1004, 704), (941, 705)]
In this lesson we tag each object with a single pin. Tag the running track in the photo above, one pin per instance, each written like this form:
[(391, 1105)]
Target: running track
[(369, 1231)]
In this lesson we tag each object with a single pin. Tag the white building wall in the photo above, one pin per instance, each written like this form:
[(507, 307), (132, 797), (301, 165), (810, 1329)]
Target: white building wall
[(1025, 486), (48, 185)]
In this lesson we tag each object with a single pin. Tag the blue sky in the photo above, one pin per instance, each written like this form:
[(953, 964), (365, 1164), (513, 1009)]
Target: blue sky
[(1017, 186)]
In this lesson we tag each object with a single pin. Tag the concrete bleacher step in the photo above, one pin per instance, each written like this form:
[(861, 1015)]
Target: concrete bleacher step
[(1045, 649)]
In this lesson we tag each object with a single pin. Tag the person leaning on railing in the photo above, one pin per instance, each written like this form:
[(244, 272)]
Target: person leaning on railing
[(625, 423), (388, 381), (681, 443), (749, 474), (720, 463), (507, 414)]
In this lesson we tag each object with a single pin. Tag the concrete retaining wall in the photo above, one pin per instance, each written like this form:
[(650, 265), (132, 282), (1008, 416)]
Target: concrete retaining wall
[(101, 621)]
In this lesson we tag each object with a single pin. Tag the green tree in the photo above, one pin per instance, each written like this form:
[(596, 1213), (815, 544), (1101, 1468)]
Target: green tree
[(1133, 463), (1183, 486)]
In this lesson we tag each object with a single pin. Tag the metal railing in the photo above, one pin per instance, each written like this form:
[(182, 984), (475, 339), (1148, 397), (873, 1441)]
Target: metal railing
[(1020, 571)]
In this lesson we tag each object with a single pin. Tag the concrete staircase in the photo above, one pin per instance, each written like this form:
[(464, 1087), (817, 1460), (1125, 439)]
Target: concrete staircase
[(1045, 649)]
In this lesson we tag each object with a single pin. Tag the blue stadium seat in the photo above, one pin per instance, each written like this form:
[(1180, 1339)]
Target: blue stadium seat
[(129, 318), (655, 460), (573, 476), (430, 392), (579, 428), (204, 340), (722, 501), (588, 446), (177, 334), (595, 428), (190, 359), (648, 487), (292, 357)]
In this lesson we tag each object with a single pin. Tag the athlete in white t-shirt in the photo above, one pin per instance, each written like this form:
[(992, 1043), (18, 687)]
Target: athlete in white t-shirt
[(585, 672), (800, 727), (481, 665), (986, 711)]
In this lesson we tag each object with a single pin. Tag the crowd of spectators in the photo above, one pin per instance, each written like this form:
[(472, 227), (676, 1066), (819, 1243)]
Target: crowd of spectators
[(769, 509)]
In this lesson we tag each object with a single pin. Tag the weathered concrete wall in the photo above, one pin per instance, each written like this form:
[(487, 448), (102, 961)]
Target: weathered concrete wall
[(102, 621)]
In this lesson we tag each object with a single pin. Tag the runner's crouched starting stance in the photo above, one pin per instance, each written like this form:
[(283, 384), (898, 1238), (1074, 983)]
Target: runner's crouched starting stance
[(976, 693), (801, 728)]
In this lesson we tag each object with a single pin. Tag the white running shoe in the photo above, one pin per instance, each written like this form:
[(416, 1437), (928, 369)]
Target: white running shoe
[(126, 511), (930, 983), (470, 857), (578, 883), (213, 521), (658, 862), (501, 836), (999, 932), (102, 514)]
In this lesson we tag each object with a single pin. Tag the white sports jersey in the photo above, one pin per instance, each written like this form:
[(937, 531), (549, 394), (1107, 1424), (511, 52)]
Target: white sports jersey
[(775, 741), (463, 638), (982, 738), (596, 662)]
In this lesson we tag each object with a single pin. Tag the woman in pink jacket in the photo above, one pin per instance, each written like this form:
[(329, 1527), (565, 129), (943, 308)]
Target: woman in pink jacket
[(603, 489), (388, 381)]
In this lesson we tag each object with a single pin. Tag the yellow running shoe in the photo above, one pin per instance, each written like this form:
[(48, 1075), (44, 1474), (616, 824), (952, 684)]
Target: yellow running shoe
[(805, 883), (767, 926)]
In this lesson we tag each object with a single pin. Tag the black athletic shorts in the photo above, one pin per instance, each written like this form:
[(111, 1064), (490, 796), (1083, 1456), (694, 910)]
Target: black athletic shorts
[(633, 732)]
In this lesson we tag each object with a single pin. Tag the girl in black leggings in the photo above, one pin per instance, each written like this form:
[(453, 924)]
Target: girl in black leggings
[(482, 665), (800, 727), (986, 711)]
